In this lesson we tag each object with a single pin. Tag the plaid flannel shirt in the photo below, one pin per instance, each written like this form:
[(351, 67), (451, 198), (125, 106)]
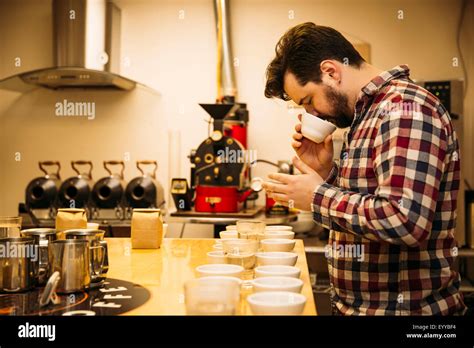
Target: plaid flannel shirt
[(393, 198)]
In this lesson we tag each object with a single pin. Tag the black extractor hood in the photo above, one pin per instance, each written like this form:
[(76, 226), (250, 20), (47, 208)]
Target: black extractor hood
[(86, 49)]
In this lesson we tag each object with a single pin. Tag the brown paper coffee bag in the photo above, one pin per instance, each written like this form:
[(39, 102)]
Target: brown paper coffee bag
[(70, 218), (147, 229)]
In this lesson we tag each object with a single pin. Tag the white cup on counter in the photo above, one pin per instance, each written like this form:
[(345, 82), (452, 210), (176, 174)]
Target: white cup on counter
[(277, 271), (278, 244), (92, 226), (277, 303), (217, 256), (250, 229), (228, 234), (219, 269)]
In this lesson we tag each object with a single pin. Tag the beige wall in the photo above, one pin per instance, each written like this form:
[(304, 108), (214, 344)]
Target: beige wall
[(467, 47), (177, 58)]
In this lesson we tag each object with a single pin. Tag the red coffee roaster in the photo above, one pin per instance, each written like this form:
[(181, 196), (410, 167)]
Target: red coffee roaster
[(219, 171)]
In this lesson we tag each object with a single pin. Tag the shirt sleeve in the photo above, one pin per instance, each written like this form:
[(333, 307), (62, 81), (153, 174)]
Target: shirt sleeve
[(408, 160), (331, 179)]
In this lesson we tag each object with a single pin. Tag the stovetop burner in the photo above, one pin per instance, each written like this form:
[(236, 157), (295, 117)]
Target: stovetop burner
[(112, 298)]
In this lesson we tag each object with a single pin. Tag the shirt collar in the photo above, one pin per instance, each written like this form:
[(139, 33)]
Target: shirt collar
[(374, 86), (398, 72)]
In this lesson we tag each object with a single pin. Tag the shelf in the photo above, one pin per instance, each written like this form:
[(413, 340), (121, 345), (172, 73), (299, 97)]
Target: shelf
[(466, 252), (466, 286), (227, 219)]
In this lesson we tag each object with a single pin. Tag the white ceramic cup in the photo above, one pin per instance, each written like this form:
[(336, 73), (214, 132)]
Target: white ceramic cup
[(314, 128), (250, 229), (214, 278), (279, 235), (277, 284), (217, 256), (276, 303), (278, 244), (276, 258), (217, 269), (228, 234), (272, 228), (277, 271)]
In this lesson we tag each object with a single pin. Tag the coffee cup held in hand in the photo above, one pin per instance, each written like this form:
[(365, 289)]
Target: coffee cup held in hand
[(314, 128)]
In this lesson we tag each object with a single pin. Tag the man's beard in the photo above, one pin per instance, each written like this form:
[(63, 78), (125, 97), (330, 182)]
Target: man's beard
[(341, 115)]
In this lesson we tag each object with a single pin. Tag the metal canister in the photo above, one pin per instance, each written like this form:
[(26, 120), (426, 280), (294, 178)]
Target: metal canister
[(71, 259), (42, 237), (19, 264), (99, 258)]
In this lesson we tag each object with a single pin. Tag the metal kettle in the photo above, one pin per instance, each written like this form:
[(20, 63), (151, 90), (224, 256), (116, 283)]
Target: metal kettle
[(75, 191), (107, 193), (144, 191), (41, 192)]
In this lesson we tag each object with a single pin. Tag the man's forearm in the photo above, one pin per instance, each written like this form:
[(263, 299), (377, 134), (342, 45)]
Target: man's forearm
[(370, 215)]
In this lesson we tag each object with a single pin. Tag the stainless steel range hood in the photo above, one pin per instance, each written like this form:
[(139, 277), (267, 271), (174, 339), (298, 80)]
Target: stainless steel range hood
[(86, 44)]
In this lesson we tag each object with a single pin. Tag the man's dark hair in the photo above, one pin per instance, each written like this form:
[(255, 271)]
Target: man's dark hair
[(301, 50)]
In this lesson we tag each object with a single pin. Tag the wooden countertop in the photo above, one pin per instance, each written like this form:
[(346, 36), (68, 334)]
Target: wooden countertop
[(164, 271)]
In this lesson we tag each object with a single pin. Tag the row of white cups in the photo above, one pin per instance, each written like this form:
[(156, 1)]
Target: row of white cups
[(252, 256)]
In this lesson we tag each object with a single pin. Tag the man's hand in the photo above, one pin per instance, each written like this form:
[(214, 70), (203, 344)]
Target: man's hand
[(295, 191), (317, 156)]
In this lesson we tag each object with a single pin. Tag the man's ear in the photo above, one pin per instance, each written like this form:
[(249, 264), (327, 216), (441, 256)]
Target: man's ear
[(330, 72)]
